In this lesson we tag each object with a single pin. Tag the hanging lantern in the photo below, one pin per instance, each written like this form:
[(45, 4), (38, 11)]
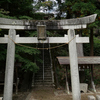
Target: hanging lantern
[(41, 29)]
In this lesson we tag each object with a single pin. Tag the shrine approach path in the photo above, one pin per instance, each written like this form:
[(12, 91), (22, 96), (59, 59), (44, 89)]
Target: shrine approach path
[(46, 93)]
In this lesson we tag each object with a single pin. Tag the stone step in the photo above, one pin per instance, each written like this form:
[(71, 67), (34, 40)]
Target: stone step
[(43, 83), (45, 70), (44, 80), (41, 72), (48, 66), (41, 77), (45, 75)]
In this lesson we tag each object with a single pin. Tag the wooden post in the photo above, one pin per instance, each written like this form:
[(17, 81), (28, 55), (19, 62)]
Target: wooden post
[(74, 65), (67, 85), (92, 82), (8, 86), (91, 43), (91, 54)]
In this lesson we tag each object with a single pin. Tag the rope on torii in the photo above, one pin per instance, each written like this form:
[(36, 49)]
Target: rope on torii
[(42, 48)]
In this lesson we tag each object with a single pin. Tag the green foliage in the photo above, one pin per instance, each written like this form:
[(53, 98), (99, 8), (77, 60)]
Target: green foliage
[(2, 11), (86, 49), (77, 8), (96, 47), (25, 17), (61, 75), (62, 51), (84, 8), (30, 51), (4, 14), (31, 33), (38, 16), (27, 64), (96, 71), (53, 34), (87, 76), (28, 56), (17, 8), (3, 52)]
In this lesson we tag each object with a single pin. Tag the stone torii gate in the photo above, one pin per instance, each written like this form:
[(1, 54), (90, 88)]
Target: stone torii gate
[(70, 25)]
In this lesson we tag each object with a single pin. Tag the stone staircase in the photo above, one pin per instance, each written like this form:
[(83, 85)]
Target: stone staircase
[(46, 78)]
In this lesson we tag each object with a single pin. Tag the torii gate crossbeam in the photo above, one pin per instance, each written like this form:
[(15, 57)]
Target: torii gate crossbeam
[(75, 23)]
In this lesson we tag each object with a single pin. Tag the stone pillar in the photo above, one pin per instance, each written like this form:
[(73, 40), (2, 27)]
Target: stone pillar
[(98, 97), (74, 65), (8, 85), (91, 97), (1, 98)]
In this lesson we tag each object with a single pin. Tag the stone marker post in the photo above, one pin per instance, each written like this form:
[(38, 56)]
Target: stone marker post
[(98, 97), (91, 97), (74, 65), (8, 85)]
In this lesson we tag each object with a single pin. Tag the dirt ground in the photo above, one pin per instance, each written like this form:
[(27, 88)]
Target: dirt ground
[(55, 94)]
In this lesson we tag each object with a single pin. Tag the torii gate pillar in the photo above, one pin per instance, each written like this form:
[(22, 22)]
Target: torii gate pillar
[(74, 65), (8, 85)]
